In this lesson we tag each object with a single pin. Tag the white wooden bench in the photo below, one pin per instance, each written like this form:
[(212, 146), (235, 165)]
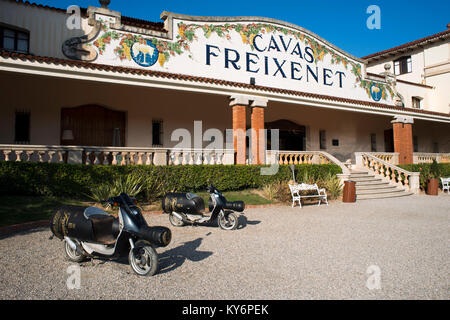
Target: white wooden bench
[(296, 190), (445, 184)]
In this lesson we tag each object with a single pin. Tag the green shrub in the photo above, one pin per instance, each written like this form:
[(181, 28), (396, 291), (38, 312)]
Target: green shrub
[(67, 180), (131, 184)]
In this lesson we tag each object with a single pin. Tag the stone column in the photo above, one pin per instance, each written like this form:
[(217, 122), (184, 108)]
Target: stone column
[(403, 139), (258, 146), (239, 105)]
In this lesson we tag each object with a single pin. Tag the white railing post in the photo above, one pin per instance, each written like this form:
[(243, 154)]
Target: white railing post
[(414, 182)]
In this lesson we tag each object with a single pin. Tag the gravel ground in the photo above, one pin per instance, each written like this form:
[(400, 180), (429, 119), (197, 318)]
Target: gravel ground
[(277, 253)]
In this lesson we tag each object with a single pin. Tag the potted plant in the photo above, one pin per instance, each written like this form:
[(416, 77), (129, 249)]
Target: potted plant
[(433, 179)]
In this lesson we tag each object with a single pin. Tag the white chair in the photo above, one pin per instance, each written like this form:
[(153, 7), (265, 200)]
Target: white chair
[(296, 196), (445, 184)]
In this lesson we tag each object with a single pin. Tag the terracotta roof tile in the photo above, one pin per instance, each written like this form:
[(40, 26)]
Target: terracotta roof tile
[(409, 44), (139, 23), (159, 74)]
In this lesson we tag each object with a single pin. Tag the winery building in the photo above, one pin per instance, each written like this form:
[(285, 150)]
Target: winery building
[(93, 86)]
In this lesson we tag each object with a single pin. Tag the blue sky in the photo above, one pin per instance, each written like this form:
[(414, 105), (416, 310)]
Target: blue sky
[(341, 22)]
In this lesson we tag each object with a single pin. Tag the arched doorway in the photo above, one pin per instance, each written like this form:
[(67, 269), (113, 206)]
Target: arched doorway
[(92, 125), (292, 135)]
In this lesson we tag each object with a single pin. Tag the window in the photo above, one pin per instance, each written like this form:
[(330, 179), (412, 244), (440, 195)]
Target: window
[(335, 142), (157, 132), (323, 140), (435, 147), (373, 142), (403, 65), (415, 144), (22, 127), (416, 102), (14, 40)]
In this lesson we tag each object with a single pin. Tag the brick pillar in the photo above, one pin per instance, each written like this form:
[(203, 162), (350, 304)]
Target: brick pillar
[(239, 105), (403, 139), (258, 146)]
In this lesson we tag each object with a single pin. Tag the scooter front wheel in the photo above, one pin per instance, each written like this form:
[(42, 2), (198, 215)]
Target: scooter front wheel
[(228, 221), (143, 259)]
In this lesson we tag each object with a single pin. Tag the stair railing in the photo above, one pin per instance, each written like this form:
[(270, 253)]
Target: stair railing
[(390, 172)]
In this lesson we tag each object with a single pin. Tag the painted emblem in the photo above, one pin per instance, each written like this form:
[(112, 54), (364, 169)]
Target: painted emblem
[(375, 92), (144, 53)]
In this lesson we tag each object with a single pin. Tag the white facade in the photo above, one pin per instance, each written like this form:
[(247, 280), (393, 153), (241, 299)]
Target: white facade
[(178, 85), (430, 75)]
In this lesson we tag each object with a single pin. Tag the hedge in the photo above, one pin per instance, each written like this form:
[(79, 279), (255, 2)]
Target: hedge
[(68, 180)]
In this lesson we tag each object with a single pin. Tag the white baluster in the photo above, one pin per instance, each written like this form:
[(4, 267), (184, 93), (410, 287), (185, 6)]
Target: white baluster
[(148, 158), (29, 155), (191, 157), (213, 156), (184, 155), (177, 158), (18, 153), (60, 156), (50, 156), (7, 155), (124, 159), (199, 157), (114, 158), (40, 156)]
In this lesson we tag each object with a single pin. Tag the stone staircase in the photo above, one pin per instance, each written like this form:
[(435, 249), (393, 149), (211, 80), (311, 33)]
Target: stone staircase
[(370, 187)]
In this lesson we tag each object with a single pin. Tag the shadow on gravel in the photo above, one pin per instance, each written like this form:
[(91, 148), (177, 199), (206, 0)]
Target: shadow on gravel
[(10, 234), (173, 258), (243, 222)]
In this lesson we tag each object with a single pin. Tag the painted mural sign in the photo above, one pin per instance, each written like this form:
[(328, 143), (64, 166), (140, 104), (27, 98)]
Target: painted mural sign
[(275, 55)]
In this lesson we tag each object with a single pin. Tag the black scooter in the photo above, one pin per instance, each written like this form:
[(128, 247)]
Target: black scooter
[(90, 232), (188, 208)]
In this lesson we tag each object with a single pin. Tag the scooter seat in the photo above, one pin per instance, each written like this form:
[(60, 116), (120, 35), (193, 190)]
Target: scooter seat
[(103, 228), (90, 211)]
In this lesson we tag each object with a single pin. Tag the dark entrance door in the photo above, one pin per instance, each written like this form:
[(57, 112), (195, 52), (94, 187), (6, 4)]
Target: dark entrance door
[(389, 140), (92, 125), (292, 135)]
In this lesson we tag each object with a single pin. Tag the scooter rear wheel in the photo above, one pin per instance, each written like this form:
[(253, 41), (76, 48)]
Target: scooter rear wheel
[(143, 259), (74, 255), (175, 221)]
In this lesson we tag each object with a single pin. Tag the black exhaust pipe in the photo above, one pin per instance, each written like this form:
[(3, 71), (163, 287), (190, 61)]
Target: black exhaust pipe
[(159, 236)]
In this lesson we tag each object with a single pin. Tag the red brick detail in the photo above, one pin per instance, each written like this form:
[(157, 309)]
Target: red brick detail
[(403, 142), (239, 125), (258, 142)]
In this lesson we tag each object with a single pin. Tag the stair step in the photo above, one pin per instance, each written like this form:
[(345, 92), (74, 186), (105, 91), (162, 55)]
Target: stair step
[(359, 173), (383, 196), (375, 187), (379, 191), (372, 183), (366, 179), (365, 176)]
